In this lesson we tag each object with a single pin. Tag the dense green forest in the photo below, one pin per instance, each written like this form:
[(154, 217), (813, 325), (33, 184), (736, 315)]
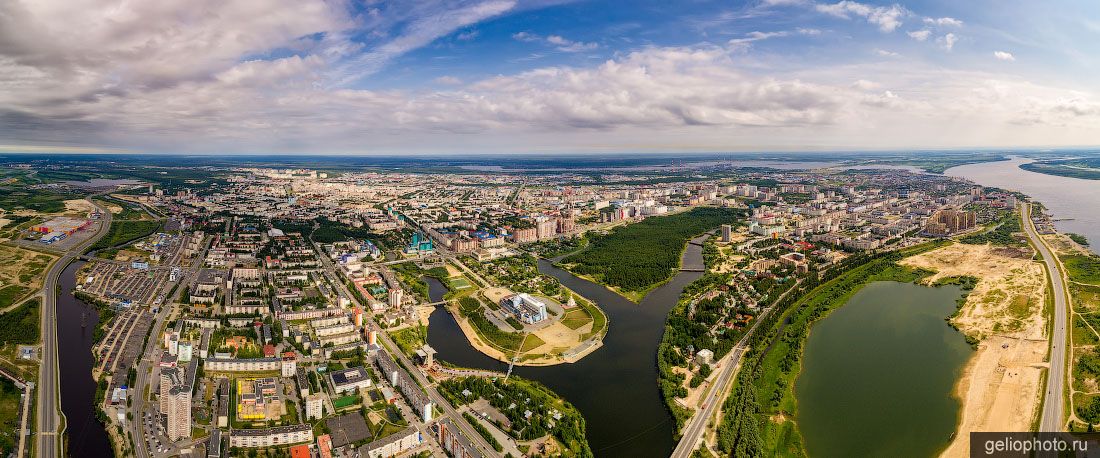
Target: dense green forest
[(20, 325), (639, 256)]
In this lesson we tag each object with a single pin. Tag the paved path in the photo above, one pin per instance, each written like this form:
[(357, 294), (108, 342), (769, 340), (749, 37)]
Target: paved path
[(1051, 419), (49, 393)]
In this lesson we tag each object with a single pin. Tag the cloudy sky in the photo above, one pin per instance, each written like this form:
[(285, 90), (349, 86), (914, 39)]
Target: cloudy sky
[(515, 76)]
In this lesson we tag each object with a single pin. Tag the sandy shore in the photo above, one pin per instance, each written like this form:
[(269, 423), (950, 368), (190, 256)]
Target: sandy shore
[(1001, 383)]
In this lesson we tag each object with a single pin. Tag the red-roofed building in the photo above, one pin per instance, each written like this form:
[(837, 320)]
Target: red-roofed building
[(269, 351), (324, 445), (300, 451)]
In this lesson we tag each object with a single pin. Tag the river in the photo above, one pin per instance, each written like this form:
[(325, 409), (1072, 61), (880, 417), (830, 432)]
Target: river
[(878, 374), (615, 387), (85, 434), (1072, 200)]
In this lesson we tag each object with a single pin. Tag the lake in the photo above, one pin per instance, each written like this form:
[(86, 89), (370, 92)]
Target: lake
[(878, 374), (1073, 200)]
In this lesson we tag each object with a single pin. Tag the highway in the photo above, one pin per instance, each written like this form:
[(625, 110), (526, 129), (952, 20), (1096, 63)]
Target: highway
[(1051, 417), (393, 349), (49, 401)]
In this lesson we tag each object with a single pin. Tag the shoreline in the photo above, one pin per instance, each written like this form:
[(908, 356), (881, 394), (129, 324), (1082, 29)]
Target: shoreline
[(489, 350), (999, 386)]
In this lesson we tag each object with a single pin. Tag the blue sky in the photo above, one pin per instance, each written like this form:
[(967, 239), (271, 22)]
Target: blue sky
[(507, 76)]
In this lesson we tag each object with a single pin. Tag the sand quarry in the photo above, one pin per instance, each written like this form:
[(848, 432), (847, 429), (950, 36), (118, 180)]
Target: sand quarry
[(1001, 384)]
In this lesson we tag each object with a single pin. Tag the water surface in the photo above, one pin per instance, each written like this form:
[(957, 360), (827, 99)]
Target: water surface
[(1075, 202), (878, 374), (85, 434)]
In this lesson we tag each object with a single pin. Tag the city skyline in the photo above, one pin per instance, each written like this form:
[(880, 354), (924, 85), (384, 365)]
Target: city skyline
[(544, 77)]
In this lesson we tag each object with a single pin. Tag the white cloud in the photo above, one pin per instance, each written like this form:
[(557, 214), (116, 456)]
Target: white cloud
[(122, 79), (525, 36), (920, 35), (943, 21), (1004, 55), (948, 41), (757, 36), (466, 36), (887, 18), (885, 53), (557, 41)]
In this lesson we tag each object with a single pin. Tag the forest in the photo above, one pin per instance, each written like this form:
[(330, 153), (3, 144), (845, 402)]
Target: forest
[(639, 256)]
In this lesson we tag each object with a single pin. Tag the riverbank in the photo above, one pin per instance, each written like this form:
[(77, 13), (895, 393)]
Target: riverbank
[(572, 355), (550, 344), (1000, 386)]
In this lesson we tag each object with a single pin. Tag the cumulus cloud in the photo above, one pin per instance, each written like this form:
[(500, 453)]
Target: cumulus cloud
[(943, 21), (557, 41), (113, 81), (920, 35), (948, 41), (887, 18), (1004, 55)]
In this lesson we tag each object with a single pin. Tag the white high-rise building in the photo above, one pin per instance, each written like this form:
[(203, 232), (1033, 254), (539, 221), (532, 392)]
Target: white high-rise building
[(396, 296), (315, 404), (178, 413)]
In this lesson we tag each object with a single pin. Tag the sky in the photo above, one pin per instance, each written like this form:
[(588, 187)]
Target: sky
[(546, 76)]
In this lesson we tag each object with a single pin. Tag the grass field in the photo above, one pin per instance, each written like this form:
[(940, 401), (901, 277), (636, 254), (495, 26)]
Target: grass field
[(458, 283), (575, 318), (1083, 268), (345, 401)]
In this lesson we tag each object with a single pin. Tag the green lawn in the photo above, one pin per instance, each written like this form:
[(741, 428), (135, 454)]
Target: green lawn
[(1083, 268), (345, 401), (576, 318)]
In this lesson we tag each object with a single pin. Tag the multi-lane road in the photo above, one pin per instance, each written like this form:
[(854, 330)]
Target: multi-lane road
[(49, 402), (1051, 418)]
